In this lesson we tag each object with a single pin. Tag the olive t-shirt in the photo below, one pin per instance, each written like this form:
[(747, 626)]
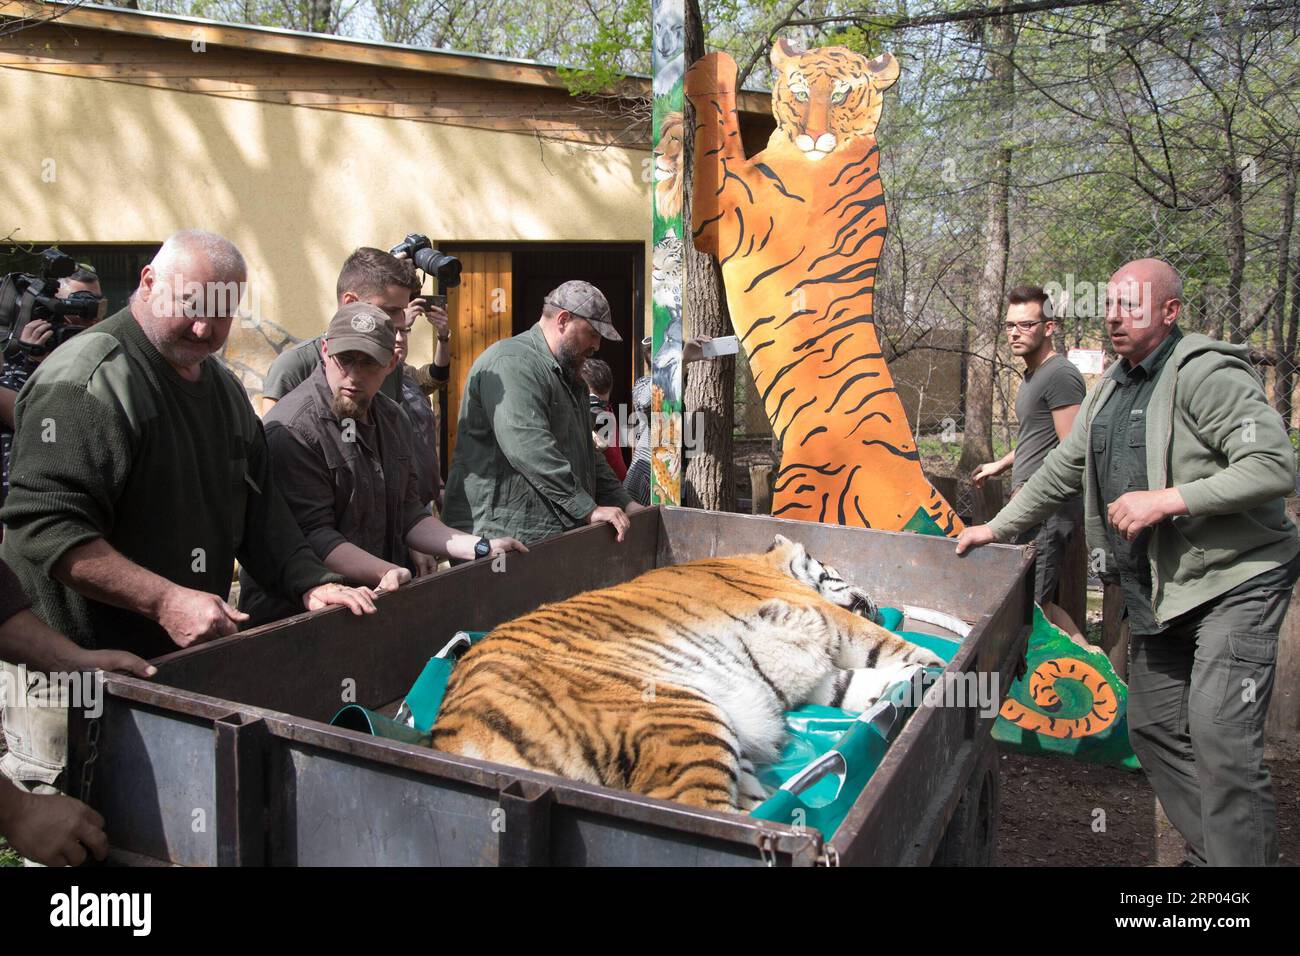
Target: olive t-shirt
[(1054, 384)]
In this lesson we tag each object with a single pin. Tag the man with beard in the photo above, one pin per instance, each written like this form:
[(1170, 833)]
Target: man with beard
[(140, 473), (525, 463), (344, 455)]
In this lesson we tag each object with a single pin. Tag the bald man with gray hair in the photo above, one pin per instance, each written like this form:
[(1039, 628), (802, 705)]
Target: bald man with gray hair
[(140, 473), (1184, 467)]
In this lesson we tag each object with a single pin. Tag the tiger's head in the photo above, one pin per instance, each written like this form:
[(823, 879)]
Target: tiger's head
[(825, 97), (790, 557)]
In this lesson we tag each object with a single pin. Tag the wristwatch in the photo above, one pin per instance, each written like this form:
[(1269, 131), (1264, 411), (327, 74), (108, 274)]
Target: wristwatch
[(482, 548)]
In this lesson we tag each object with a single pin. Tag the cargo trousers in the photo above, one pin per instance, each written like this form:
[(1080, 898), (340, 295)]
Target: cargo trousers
[(35, 730), (1198, 695)]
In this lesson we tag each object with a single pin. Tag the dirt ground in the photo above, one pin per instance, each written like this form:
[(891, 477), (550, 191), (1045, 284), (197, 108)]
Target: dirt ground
[(1050, 813)]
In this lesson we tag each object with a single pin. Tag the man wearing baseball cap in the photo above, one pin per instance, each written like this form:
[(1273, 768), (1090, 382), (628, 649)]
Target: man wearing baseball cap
[(344, 457), (525, 464)]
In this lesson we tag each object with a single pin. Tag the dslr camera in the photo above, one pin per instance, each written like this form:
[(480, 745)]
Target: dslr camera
[(438, 264), (27, 297)]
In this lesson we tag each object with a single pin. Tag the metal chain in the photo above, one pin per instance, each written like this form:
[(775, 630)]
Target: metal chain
[(92, 754), (830, 856)]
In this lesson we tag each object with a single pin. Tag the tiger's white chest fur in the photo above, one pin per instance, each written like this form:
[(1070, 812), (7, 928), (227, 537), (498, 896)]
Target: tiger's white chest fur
[(757, 672), (787, 654)]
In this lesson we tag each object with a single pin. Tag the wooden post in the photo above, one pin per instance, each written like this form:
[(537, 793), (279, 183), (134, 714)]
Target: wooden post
[(1284, 709), (950, 489), (1072, 588), (989, 500), (760, 479), (1114, 631)]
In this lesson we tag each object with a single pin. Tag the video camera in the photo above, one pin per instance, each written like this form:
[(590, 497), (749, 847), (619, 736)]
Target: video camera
[(26, 297), (438, 264)]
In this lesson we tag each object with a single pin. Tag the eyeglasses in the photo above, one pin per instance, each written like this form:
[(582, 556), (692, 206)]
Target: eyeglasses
[(1022, 326), (350, 361)]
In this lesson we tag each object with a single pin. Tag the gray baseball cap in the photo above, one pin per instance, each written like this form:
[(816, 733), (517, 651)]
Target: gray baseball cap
[(362, 327), (586, 302)]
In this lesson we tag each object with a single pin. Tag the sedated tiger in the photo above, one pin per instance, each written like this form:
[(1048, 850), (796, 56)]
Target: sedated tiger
[(673, 684)]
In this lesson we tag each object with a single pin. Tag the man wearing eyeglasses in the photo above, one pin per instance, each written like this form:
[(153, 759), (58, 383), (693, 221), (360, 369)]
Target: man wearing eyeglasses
[(1184, 467), (344, 457), (1046, 403), (525, 463)]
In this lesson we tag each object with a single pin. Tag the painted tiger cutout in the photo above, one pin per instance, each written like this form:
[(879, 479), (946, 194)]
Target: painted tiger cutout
[(798, 230), (673, 684)]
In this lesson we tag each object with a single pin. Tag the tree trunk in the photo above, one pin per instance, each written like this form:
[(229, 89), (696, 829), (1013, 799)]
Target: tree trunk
[(977, 442), (1288, 369), (1236, 249), (1281, 380), (1283, 721), (708, 398), (320, 16)]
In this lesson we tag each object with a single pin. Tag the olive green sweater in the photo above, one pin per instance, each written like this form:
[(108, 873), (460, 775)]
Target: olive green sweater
[(112, 443), (1211, 434)]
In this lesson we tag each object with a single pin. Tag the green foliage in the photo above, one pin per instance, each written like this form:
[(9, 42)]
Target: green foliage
[(619, 45), (870, 40)]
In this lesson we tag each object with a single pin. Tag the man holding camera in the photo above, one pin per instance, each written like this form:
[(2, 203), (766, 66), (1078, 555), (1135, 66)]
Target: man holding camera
[(343, 454), (387, 280), (140, 473), (36, 340), (526, 464), (384, 280)]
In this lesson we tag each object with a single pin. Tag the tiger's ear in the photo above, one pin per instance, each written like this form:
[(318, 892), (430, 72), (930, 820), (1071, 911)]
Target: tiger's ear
[(782, 50), (781, 542), (883, 71)]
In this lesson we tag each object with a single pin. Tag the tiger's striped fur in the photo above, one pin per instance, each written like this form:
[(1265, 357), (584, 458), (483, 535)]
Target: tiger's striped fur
[(673, 683), (798, 230)]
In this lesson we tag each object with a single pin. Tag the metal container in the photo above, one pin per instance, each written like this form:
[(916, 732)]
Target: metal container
[(225, 758)]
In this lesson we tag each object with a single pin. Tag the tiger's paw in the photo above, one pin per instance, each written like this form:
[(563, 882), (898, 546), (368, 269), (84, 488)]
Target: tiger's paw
[(868, 685)]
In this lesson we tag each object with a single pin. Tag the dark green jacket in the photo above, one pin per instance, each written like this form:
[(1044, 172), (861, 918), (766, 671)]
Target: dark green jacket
[(1211, 434), (112, 443), (525, 463)]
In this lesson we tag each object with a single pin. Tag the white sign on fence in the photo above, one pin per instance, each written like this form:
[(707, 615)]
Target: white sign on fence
[(1088, 361)]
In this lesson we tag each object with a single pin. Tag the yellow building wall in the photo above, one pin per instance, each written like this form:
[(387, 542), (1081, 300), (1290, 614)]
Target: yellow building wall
[(295, 188)]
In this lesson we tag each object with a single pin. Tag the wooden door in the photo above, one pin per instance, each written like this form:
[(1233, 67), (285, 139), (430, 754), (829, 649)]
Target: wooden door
[(480, 313)]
